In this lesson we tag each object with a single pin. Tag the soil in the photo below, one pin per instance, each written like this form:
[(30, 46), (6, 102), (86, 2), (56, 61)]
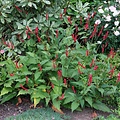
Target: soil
[(11, 109)]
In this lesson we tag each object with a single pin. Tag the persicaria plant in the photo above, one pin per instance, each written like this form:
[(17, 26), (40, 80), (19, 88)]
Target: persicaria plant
[(48, 61)]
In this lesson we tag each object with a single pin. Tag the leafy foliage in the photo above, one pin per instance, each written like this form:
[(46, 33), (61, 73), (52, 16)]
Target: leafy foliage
[(44, 56)]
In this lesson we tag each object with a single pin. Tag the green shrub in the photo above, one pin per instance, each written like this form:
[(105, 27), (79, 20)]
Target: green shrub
[(43, 56)]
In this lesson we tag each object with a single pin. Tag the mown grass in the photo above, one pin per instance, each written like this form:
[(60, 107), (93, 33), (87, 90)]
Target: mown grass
[(39, 114)]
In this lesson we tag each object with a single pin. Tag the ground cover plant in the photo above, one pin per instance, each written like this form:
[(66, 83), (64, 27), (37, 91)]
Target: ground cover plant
[(45, 53)]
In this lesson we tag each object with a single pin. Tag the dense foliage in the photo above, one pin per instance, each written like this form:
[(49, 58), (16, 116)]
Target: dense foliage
[(49, 50)]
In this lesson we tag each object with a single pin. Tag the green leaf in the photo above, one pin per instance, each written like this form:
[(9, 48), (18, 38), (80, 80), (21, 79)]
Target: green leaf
[(56, 103), (69, 99), (64, 71), (22, 92), (8, 97), (89, 100), (101, 90), (46, 2), (36, 101), (6, 90), (27, 73), (57, 90), (37, 75), (20, 26), (101, 106), (74, 105)]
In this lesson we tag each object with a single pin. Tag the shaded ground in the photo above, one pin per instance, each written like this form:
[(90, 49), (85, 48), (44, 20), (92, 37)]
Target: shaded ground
[(10, 109)]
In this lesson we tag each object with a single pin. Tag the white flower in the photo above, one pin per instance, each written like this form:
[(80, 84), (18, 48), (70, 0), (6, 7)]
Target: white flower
[(2, 51), (108, 18), (119, 28), (112, 8), (116, 23), (106, 25), (116, 33), (97, 22), (104, 1), (100, 10), (116, 13), (118, 1), (99, 42)]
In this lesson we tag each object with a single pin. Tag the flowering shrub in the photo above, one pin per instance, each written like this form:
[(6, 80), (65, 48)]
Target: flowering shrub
[(103, 24), (43, 56)]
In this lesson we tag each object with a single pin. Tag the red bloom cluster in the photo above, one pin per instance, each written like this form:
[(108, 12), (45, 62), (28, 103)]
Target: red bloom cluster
[(81, 65), (112, 72), (90, 79), (65, 81), (74, 37), (40, 67), (62, 97), (69, 20), (111, 53), (23, 87), (73, 88), (118, 77), (59, 74)]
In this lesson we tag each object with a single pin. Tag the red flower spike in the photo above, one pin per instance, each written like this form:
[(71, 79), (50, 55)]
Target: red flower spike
[(95, 67), (65, 10), (26, 79), (28, 28), (54, 64), (16, 64), (105, 36), (87, 52), (52, 85), (93, 14), (73, 88), (61, 15), (90, 79), (81, 65), (23, 87), (100, 31), (67, 53), (94, 31), (79, 71), (11, 74), (28, 36), (18, 8), (118, 77), (12, 46), (86, 27), (106, 44), (76, 28), (59, 74), (92, 63), (36, 31), (62, 97), (69, 20), (111, 53), (57, 33), (103, 48), (112, 72), (38, 38), (47, 16), (65, 81), (74, 37), (40, 67)]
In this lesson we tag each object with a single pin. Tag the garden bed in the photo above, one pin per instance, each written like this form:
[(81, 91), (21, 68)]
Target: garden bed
[(10, 109)]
